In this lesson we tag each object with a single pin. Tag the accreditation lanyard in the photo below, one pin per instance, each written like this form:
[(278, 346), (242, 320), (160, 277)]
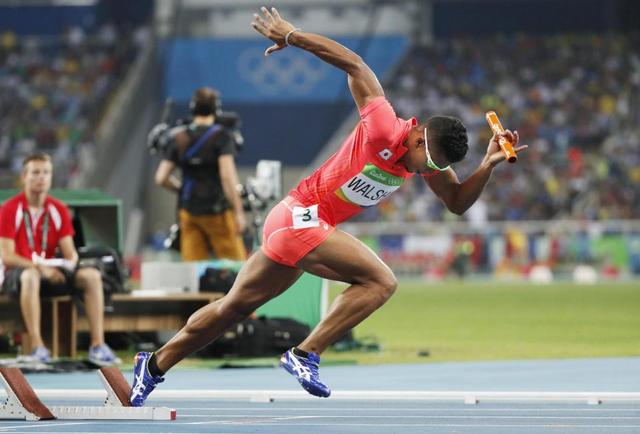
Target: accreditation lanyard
[(30, 237)]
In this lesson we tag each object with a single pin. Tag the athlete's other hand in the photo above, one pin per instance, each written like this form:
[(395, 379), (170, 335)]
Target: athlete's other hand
[(494, 152), (272, 26), (241, 222)]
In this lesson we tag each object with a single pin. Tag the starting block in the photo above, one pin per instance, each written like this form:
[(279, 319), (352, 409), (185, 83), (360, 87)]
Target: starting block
[(23, 403)]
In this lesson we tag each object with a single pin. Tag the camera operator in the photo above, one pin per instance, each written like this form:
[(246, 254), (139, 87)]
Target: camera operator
[(211, 216)]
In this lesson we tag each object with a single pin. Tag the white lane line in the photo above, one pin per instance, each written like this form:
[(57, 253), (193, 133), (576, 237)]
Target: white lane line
[(308, 424), (580, 428), (446, 425), (128, 432), (44, 424), (405, 409), (368, 395), (258, 421), (332, 416)]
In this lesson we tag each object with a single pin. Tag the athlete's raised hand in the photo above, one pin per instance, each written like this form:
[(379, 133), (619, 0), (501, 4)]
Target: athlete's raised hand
[(272, 26), (494, 153)]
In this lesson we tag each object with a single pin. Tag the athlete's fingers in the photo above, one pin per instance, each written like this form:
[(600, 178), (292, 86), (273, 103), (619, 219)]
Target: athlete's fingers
[(521, 148), (275, 14), (258, 28), (273, 49), (266, 13), (508, 135), (260, 21)]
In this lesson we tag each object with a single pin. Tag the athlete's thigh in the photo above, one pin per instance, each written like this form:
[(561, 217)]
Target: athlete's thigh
[(261, 279), (345, 258)]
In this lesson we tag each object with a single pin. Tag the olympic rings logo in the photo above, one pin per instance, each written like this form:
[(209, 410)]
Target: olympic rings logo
[(286, 71)]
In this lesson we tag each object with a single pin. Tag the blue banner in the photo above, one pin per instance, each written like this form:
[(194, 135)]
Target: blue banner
[(241, 72)]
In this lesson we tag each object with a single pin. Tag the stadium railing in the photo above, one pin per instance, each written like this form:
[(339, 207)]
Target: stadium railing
[(606, 249)]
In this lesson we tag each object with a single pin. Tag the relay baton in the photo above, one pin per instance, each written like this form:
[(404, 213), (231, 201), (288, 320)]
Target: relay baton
[(505, 145)]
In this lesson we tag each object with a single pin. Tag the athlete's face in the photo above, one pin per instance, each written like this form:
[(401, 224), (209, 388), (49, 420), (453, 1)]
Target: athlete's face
[(36, 176)]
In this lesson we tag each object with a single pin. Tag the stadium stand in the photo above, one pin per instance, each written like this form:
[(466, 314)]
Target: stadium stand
[(53, 92), (578, 109)]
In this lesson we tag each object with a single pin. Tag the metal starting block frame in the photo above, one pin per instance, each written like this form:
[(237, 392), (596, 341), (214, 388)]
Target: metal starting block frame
[(22, 403)]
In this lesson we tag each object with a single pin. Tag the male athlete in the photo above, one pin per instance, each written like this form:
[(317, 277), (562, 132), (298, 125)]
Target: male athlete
[(300, 232)]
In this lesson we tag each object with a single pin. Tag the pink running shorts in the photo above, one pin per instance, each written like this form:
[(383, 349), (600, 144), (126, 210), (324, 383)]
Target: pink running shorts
[(292, 230)]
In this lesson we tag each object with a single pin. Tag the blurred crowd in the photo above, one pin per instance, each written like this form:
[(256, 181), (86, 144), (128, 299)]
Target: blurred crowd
[(574, 99), (53, 93)]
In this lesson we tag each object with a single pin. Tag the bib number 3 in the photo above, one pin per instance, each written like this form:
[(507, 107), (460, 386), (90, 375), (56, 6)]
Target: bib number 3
[(305, 217)]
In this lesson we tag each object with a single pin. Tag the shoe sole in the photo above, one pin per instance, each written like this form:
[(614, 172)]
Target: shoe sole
[(300, 381)]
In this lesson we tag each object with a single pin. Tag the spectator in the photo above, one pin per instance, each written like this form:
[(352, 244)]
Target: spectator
[(52, 96), (32, 226), (577, 108)]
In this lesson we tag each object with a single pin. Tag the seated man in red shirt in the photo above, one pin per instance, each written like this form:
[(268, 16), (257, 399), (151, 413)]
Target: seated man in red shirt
[(32, 226)]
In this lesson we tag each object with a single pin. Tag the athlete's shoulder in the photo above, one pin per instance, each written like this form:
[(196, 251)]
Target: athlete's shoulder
[(376, 104)]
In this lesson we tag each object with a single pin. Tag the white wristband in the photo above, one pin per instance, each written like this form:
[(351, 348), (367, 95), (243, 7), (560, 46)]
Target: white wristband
[(286, 38)]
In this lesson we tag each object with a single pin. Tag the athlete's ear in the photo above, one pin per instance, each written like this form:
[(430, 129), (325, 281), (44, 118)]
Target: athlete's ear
[(420, 139)]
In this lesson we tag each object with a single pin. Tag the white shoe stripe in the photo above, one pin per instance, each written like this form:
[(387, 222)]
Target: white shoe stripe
[(300, 369), (139, 387)]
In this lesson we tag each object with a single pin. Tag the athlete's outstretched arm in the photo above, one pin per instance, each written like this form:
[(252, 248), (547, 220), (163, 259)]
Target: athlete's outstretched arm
[(363, 83), (459, 196)]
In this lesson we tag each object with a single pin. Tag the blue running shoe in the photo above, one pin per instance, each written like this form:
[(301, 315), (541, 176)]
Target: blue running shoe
[(41, 354), (143, 382), (306, 372), (102, 355)]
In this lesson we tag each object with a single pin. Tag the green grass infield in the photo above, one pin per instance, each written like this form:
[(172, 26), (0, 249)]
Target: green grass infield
[(465, 321)]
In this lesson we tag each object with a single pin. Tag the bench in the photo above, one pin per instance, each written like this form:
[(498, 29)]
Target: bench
[(56, 315), (131, 313)]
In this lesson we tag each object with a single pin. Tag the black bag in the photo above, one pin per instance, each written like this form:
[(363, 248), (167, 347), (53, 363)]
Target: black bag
[(258, 337), (284, 333), (216, 280), (109, 263)]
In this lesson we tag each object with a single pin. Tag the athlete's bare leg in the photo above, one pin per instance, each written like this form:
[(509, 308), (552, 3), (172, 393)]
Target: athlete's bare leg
[(343, 257), (259, 280)]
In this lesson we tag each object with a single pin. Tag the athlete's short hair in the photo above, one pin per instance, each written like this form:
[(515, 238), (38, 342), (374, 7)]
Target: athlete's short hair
[(36, 156), (450, 136)]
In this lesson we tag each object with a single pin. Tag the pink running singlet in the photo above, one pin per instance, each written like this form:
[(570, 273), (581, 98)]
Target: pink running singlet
[(360, 174)]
